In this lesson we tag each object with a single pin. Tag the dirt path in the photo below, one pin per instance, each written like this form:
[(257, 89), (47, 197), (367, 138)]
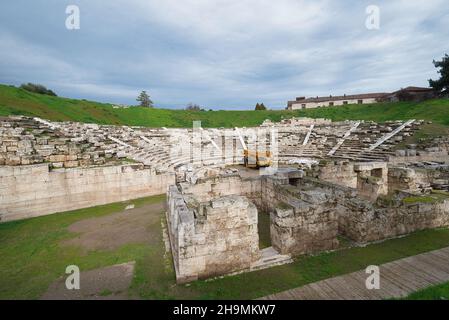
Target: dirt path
[(117, 229), (110, 232), (108, 283)]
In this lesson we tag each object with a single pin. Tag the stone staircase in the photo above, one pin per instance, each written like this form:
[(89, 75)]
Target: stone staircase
[(270, 258)]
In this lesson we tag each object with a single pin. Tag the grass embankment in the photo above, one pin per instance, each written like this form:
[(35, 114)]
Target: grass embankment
[(15, 101), (32, 257)]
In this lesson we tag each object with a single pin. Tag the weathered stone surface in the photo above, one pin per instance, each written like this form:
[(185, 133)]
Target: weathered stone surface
[(38, 190), (212, 214), (211, 238), (57, 158), (308, 216)]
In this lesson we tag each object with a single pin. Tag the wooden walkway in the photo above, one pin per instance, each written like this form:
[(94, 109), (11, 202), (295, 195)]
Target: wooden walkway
[(397, 279)]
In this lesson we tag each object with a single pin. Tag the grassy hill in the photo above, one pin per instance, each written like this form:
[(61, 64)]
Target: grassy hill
[(15, 101)]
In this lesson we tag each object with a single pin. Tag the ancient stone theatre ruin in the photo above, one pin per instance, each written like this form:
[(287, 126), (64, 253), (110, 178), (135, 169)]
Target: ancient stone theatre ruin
[(356, 181)]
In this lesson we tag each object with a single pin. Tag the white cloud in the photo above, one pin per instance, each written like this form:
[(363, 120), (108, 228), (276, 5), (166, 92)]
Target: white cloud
[(229, 19), (232, 53)]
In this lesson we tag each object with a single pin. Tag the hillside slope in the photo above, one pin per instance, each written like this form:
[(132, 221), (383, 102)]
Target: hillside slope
[(15, 101)]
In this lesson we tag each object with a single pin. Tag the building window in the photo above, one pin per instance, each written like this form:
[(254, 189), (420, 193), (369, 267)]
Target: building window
[(303, 106), (331, 104), (360, 101), (345, 102)]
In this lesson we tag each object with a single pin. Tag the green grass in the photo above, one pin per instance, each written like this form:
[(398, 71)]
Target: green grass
[(441, 193), (419, 199), (106, 293), (32, 258), (435, 196), (426, 131), (31, 255), (439, 292), (264, 229), (14, 101)]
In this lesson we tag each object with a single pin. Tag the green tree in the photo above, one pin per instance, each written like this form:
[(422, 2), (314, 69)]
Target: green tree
[(193, 107), (260, 106), (442, 84), (145, 100), (37, 88)]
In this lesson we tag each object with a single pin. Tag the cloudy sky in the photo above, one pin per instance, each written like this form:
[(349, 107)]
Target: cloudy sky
[(220, 54)]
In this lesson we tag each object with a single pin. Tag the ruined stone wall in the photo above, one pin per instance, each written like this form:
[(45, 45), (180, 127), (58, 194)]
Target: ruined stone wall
[(338, 172), (305, 217), (302, 219), (423, 156), (211, 238), (315, 212), (34, 190), (219, 186), (25, 141), (427, 149), (370, 187), (213, 223), (372, 179), (364, 222), (306, 228), (404, 178)]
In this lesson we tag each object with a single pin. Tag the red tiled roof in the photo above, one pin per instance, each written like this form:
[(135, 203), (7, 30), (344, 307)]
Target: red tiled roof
[(415, 89)]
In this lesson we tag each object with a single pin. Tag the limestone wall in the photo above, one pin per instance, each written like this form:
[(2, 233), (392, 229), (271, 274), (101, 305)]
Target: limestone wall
[(370, 187), (302, 221), (423, 156), (211, 238), (413, 179), (364, 222), (314, 212), (26, 141), (219, 186), (213, 223), (427, 149), (338, 172), (302, 218), (34, 190), (305, 228)]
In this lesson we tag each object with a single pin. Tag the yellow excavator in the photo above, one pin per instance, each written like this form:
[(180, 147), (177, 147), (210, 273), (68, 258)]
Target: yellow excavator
[(257, 159), (254, 159)]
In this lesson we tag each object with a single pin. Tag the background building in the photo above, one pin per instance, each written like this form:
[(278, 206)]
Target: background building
[(329, 101), (406, 94), (410, 94)]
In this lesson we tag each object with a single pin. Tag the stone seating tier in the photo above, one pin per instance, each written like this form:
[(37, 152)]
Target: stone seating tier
[(26, 140)]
